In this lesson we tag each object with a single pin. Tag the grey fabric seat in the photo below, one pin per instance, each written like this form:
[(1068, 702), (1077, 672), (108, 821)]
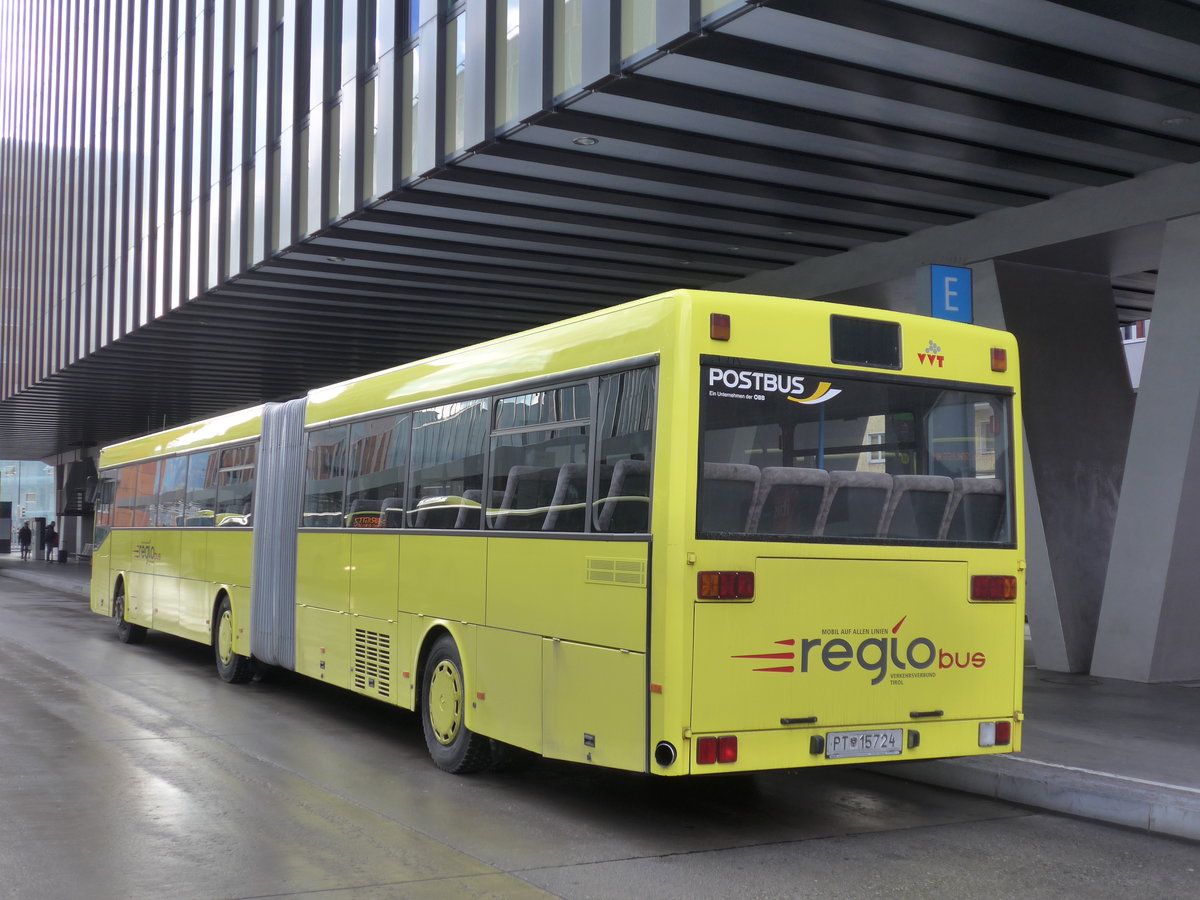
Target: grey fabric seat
[(787, 501), (855, 504), (726, 496), (977, 510), (567, 505), (917, 507), (625, 509)]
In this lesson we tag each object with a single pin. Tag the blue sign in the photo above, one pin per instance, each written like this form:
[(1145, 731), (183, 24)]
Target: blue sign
[(950, 293)]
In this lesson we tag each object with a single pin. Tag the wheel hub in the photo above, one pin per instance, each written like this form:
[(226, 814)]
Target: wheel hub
[(445, 702)]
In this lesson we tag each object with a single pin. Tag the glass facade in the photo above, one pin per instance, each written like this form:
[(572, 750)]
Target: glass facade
[(29, 486)]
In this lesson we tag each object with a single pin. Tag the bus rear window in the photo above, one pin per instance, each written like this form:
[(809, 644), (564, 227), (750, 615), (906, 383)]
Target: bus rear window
[(792, 455)]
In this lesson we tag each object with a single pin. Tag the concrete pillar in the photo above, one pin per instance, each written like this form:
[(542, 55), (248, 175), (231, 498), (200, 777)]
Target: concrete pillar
[(1078, 406), (1150, 618)]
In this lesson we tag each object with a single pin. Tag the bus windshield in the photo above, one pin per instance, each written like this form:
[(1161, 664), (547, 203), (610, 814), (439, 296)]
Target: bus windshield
[(791, 454)]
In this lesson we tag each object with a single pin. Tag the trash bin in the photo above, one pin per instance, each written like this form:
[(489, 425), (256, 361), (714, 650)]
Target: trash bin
[(62, 556)]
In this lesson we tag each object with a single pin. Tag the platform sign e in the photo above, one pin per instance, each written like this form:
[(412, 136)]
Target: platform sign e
[(949, 293)]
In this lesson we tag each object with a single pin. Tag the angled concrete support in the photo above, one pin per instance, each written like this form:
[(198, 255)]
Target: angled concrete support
[(1078, 406), (1150, 617)]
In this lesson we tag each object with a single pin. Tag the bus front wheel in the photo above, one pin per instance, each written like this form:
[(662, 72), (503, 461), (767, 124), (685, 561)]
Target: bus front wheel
[(452, 745), (127, 632), (232, 667)]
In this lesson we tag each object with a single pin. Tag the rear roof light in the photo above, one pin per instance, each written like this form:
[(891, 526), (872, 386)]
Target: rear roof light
[(999, 359), (993, 587), (719, 326), (725, 585)]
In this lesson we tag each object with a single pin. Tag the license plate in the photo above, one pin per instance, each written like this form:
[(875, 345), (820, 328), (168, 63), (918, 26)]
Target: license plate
[(841, 744)]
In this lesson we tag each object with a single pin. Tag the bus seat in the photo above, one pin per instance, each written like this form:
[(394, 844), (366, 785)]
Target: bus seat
[(391, 511), (788, 501), (917, 507), (527, 495), (728, 493), (469, 512), (976, 511), (437, 512), (570, 497), (364, 514), (625, 508), (854, 504)]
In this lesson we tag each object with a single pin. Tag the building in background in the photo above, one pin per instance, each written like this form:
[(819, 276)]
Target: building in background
[(30, 487)]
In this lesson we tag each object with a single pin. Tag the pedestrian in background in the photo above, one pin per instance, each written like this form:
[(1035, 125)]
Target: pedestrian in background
[(51, 540), (25, 539)]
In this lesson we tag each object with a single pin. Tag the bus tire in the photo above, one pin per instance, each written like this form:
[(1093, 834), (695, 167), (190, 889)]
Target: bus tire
[(127, 632), (452, 745), (232, 667)]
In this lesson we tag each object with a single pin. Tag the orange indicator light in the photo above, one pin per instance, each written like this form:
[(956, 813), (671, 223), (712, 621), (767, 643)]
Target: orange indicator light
[(718, 326)]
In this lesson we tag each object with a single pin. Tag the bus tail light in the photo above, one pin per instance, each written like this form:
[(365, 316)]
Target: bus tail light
[(718, 326), (711, 750), (993, 587), (999, 359), (725, 585), (727, 749), (995, 734)]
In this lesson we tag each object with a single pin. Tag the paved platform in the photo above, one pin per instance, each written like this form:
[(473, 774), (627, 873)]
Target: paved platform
[(1103, 749)]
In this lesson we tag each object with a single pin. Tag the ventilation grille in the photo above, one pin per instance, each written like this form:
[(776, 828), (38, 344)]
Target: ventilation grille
[(372, 662), (617, 571)]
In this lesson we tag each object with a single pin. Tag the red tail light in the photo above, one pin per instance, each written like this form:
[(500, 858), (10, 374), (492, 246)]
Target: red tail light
[(993, 587), (725, 585), (711, 750), (718, 326), (1003, 734), (995, 734), (727, 749), (999, 359)]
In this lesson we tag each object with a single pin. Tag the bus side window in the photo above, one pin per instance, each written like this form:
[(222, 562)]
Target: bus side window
[(200, 508), (625, 421), (378, 464), (447, 461), (105, 493), (540, 473), (235, 486), (324, 478), (126, 497), (144, 509), (172, 490)]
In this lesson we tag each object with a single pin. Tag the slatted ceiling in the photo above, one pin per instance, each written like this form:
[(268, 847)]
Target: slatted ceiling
[(791, 131)]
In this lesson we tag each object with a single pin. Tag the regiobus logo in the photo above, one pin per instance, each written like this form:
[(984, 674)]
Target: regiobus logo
[(876, 655)]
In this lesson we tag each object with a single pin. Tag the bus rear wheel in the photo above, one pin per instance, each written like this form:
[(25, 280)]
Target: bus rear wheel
[(232, 667), (127, 632), (452, 745)]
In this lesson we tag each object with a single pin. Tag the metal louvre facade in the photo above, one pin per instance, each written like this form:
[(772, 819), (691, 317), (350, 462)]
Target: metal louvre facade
[(211, 203)]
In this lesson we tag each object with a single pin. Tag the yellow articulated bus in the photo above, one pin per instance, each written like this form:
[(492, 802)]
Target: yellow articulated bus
[(697, 533)]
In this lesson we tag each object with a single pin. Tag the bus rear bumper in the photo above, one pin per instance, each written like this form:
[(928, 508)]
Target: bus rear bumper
[(807, 746)]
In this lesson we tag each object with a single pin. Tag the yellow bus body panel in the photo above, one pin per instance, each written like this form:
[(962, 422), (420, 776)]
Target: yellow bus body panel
[(587, 591), (592, 697)]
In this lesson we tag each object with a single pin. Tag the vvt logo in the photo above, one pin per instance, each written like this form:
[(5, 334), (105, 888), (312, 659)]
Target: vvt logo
[(874, 655), (932, 355)]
